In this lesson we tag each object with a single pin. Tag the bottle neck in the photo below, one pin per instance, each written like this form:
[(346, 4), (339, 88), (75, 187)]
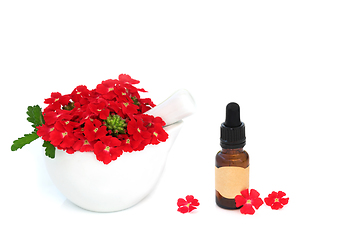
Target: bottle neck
[(232, 151)]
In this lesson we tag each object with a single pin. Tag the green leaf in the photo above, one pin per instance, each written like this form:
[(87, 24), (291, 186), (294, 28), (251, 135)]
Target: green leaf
[(49, 149), (35, 116), (26, 139)]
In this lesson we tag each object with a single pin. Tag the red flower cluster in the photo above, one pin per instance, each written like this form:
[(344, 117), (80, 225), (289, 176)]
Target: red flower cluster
[(108, 120)]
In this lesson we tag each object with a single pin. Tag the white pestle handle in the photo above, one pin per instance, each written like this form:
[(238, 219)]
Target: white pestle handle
[(178, 106)]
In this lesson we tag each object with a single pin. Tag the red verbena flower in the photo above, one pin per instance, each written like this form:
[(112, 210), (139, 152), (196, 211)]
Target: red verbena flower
[(158, 135), (100, 109), (248, 201), (129, 108), (136, 128), (106, 88), (128, 144), (53, 116), (276, 200), (44, 131), (82, 144), (94, 130), (147, 101), (126, 79), (79, 93), (188, 204), (62, 135), (56, 101), (107, 149)]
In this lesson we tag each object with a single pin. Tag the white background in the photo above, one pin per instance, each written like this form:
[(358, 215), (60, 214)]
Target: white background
[(293, 66)]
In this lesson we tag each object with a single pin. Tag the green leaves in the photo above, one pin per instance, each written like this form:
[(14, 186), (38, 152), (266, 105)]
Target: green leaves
[(26, 139), (37, 119), (35, 116), (49, 149)]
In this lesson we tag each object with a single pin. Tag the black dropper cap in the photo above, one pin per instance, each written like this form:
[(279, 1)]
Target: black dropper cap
[(232, 131)]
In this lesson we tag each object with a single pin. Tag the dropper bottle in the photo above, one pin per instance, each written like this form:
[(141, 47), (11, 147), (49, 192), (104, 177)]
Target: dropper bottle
[(232, 162)]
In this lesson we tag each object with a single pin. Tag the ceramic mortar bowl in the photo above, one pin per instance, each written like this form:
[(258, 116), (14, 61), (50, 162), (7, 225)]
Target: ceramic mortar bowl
[(94, 186)]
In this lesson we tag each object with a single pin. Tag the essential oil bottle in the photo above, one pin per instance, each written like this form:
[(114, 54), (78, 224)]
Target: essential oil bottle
[(232, 162)]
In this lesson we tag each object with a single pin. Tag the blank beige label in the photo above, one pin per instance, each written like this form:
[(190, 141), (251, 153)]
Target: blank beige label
[(230, 181)]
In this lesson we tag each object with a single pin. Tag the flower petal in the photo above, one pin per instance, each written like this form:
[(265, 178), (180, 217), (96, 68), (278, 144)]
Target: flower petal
[(245, 193), (189, 198), (193, 201), (181, 202), (257, 202), (284, 201), (254, 194), (183, 209), (276, 206), (115, 152), (240, 200), (280, 194), (247, 209), (269, 200), (191, 207), (273, 195)]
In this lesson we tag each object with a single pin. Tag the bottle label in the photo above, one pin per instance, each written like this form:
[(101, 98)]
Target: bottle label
[(230, 181)]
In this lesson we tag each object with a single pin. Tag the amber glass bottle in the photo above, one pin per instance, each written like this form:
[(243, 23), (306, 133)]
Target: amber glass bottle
[(232, 162)]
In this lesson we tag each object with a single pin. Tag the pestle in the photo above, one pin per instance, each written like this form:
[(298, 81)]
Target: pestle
[(178, 106)]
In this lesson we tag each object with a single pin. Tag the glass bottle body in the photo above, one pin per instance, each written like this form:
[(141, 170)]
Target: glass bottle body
[(231, 176)]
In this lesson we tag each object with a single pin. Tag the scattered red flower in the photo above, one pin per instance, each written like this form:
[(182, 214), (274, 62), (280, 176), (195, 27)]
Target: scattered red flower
[(76, 121), (276, 200), (188, 204), (248, 201)]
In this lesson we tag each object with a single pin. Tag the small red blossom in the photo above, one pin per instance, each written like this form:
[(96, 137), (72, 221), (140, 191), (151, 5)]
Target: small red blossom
[(82, 144), (52, 117), (100, 109), (79, 93), (158, 135), (107, 149), (147, 102), (126, 79), (136, 128), (128, 144), (44, 131), (56, 101), (188, 204), (106, 88), (129, 108), (94, 130), (248, 201), (115, 107), (62, 136), (276, 200)]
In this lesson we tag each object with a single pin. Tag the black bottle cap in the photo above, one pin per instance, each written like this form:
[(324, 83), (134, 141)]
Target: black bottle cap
[(232, 131)]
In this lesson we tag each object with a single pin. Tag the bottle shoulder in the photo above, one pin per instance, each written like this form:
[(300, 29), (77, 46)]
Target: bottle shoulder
[(238, 158)]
